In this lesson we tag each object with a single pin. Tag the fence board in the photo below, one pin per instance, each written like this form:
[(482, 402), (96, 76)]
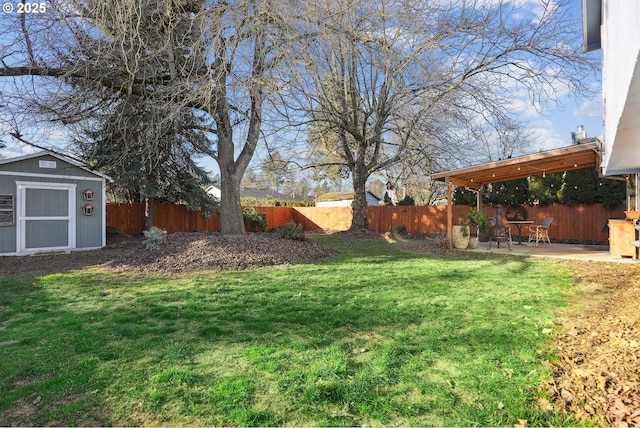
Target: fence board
[(276, 216), (128, 218), (579, 223), (324, 218)]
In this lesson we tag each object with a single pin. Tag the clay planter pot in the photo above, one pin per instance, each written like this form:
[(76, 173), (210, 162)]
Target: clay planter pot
[(459, 241)]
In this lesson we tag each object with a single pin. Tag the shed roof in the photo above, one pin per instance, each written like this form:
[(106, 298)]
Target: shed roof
[(577, 156), (57, 156)]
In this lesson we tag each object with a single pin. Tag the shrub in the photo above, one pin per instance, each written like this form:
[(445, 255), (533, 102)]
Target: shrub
[(254, 219), (401, 229), (154, 237), (479, 220), (407, 201), (292, 230)]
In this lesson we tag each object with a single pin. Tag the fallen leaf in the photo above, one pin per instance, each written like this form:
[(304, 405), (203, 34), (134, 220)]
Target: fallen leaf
[(522, 423)]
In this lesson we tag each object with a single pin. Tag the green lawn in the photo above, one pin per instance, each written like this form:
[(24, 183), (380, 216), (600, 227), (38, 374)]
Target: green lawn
[(375, 336)]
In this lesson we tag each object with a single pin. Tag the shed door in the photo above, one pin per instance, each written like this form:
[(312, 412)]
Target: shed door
[(46, 216)]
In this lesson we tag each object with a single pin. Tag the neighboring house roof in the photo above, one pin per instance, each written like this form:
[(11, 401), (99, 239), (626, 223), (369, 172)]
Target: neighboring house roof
[(57, 156), (252, 192), (341, 196), (249, 192), (214, 191)]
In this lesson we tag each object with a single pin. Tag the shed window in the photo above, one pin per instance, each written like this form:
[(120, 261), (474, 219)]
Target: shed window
[(6, 210), (47, 164)]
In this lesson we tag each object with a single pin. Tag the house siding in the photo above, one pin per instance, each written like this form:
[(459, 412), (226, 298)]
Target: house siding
[(621, 51), (371, 201), (8, 233), (330, 204)]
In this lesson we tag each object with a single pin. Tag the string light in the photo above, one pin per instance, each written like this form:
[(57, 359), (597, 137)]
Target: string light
[(544, 173)]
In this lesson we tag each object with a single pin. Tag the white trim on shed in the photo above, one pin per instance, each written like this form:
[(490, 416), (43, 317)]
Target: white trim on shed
[(22, 216)]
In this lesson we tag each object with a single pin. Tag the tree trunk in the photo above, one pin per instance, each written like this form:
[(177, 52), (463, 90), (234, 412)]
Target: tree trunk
[(231, 219), (360, 220), (149, 213)]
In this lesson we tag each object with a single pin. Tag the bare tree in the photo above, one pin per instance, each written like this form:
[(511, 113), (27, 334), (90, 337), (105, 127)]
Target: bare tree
[(211, 59), (276, 170), (381, 76)]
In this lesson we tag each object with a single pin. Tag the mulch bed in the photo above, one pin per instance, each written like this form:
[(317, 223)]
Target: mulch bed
[(182, 252), (598, 374)]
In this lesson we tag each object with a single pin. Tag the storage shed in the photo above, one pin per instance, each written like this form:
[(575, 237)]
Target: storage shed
[(49, 202)]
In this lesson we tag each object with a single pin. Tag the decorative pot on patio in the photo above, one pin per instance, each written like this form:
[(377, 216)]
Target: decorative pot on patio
[(460, 235), (473, 242)]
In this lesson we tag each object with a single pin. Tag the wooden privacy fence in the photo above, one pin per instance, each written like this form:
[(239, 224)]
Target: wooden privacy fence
[(580, 223)]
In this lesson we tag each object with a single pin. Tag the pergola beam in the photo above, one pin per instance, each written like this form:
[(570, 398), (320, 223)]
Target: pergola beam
[(557, 160)]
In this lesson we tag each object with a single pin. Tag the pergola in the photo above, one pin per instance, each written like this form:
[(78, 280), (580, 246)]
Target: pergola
[(566, 158)]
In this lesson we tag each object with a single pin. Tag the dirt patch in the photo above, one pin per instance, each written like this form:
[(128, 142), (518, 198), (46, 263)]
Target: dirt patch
[(182, 252)]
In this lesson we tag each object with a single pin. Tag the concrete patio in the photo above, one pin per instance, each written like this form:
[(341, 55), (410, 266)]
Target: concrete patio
[(596, 253)]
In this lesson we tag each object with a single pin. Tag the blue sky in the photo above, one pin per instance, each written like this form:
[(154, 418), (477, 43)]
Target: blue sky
[(552, 127), (549, 129)]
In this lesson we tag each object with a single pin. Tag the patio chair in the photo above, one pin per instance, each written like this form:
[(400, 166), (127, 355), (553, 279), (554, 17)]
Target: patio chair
[(540, 232)]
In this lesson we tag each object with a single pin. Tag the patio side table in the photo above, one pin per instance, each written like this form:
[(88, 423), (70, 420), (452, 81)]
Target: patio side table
[(519, 224)]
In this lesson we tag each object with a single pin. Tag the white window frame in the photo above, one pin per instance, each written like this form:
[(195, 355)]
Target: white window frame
[(21, 218), (11, 210)]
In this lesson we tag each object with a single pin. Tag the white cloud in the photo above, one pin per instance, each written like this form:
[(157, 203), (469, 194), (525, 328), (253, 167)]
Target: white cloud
[(526, 6), (590, 108), (45, 135), (545, 138)]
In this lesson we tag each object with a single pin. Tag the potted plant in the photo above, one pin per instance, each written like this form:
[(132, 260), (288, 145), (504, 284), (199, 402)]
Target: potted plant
[(460, 233), (480, 221)]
